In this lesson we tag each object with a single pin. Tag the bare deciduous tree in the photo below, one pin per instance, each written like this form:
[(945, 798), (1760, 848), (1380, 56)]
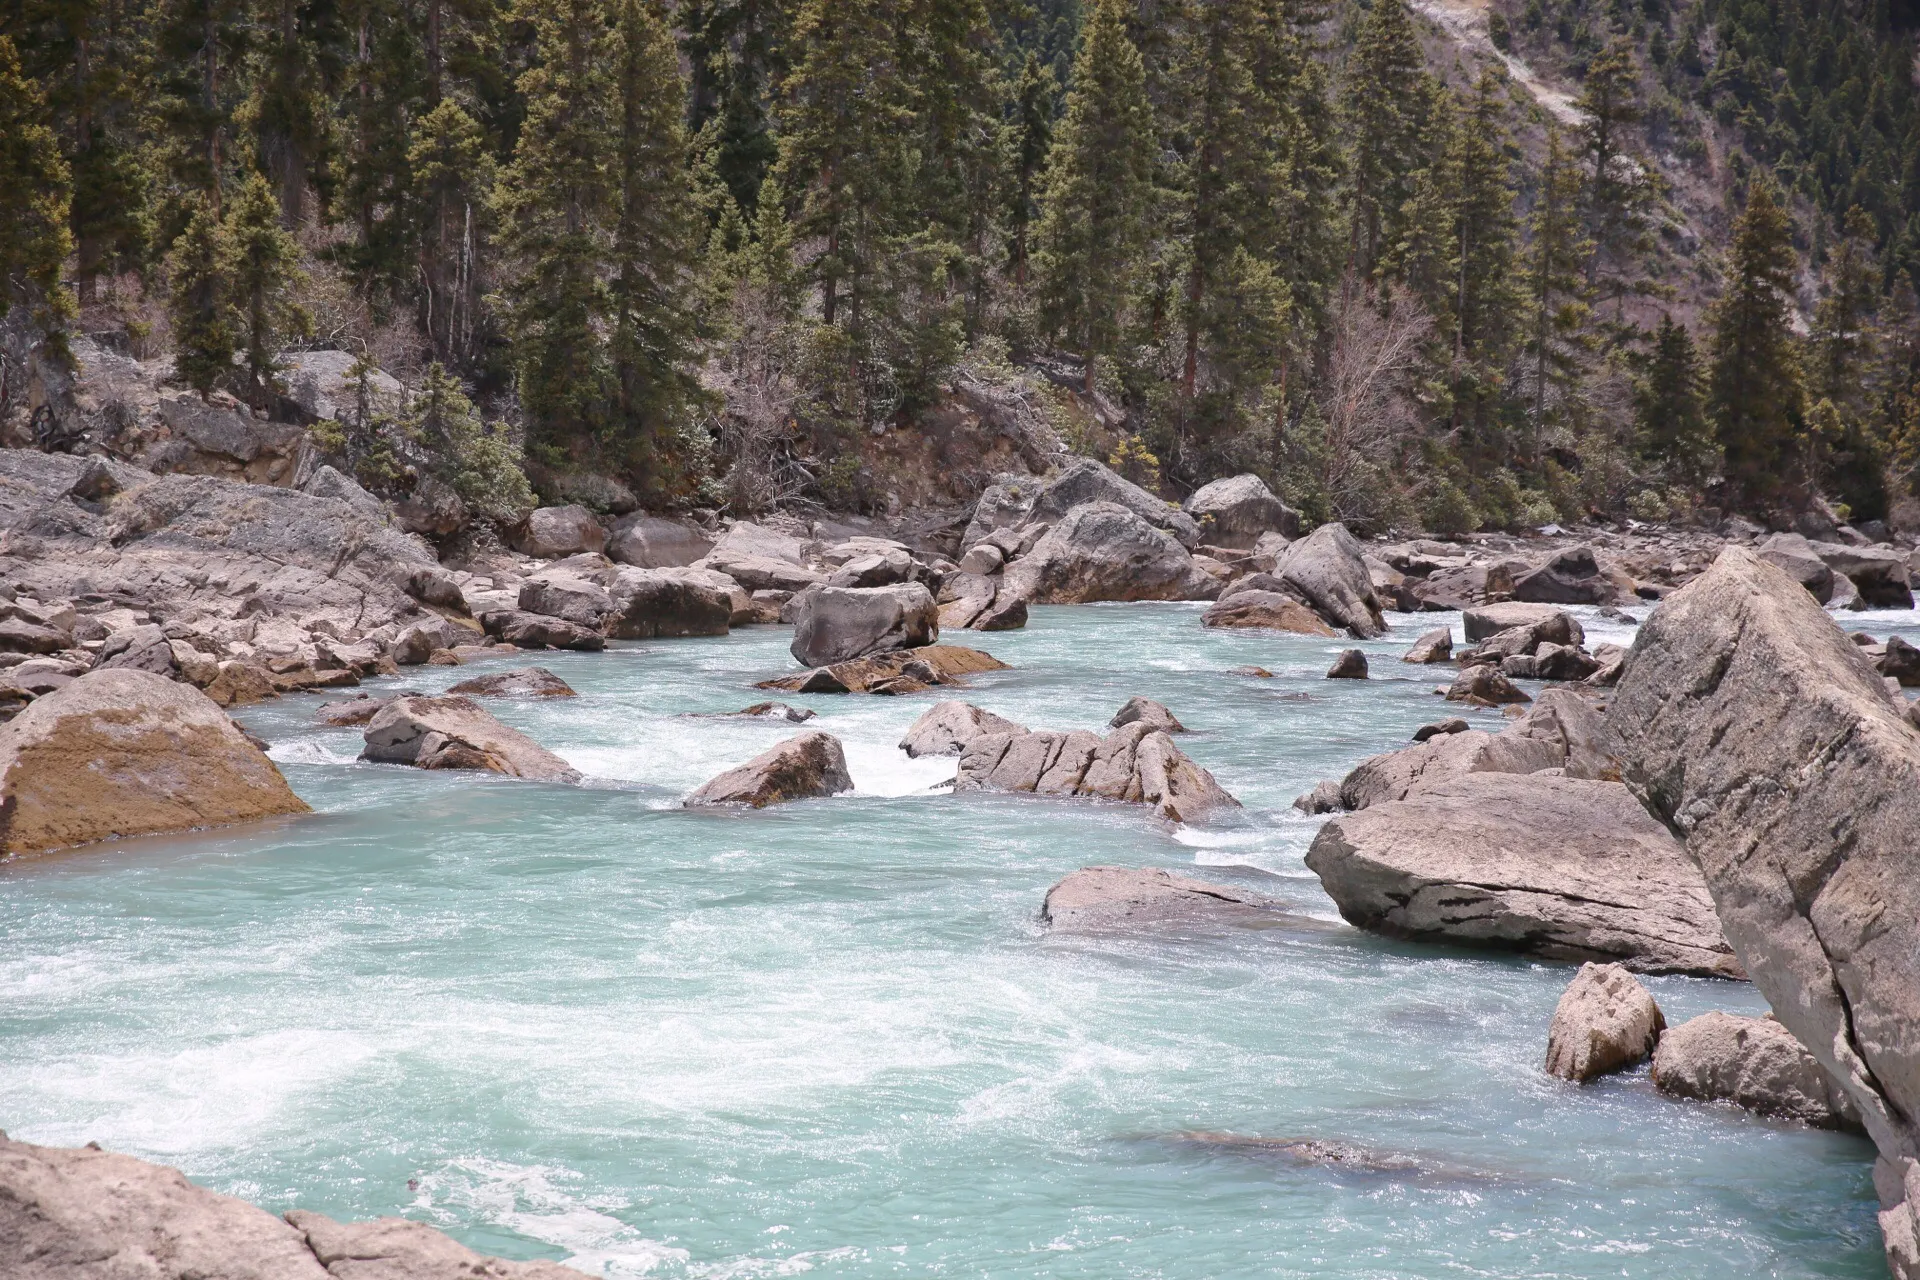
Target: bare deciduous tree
[(1365, 399)]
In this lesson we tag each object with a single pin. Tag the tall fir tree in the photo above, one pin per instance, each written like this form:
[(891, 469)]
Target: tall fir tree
[(1092, 232), (1555, 282), (1670, 421), (452, 172), (1755, 396), (1842, 340), (654, 318), (1620, 188), (559, 205), (203, 336), (260, 272), (287, 109), (1384, 101), (1029, 138), (199, 53), (34, 194)]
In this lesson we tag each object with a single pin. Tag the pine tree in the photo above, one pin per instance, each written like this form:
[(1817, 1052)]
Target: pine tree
[(199, 51), (1620, 190), (1555, 284), (655, 241), (385, 82), (1384, 102), (1029, 138), (287, 109), (1093, 225), (34, 196), (1842, 339), (1755, 397), (203, 339), (452, 173), (558, 204), (1669, 415), (259, 268)]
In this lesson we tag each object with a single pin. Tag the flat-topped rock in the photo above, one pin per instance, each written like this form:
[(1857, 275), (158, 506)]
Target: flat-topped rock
[(1125, 897), (1256, 610), (1551, 866), (811, 764), (127, 752), (521, 682), (455, 732), (1548, 622), (946, 728), (904, 671)]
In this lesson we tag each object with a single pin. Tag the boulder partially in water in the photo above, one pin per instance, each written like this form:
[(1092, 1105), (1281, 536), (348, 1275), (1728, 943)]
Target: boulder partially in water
[(1136, 762), (87, 1214), (946, 728), (1147, 711), (653, 603), (521, 682), (811, 764), (1432, 647), (1605, 1022), (838, 624), (1753, 1063), (1256, 610), (904, 671), (455, 732), (1330, 572), (1112, 897), (1550, 866), (126, 752), (1104, 551)]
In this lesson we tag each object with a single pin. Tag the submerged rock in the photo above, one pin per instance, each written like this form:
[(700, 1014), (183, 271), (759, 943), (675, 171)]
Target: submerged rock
[(1605, 1022), (946, 728), (127, 752), (812, 764), (1551, 866), (1109, 897), (1753, 1063), (773, 711), (522, 682), (87, 1214), (455, 732)]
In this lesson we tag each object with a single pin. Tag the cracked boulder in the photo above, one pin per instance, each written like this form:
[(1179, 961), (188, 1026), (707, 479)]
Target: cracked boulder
[(1137, 763), (455, 732), (1549, 866)]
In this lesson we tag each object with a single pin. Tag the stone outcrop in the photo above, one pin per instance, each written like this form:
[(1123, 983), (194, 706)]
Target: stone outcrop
[(1147, 711), (654, 542), (1605, 1022), (1753, 1063), (946, 728), (903, 671), (761, 559), (1570, 576), (551, 532), (1234, 512), (1350, 665), (1124, 897), (1085, 481), (87, 1214), (1484, 686), (127, 752), (1748, 720), (1554, 867), (1545, 622), (1257, 610), (1105, 551), (811, 764), (1432, 647), (651, 604), (836, 624), (539, 631), (455, 732), (521, 682), (1137, 763), (1329, 572)]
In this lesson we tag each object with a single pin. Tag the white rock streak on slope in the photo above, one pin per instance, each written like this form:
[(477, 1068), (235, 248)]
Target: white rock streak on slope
[(1466, 22)]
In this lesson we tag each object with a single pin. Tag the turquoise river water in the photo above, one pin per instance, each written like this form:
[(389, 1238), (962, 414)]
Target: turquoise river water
[(585, 1024)]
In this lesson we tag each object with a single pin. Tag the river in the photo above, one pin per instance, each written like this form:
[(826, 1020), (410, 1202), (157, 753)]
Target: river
[(832, 1037)]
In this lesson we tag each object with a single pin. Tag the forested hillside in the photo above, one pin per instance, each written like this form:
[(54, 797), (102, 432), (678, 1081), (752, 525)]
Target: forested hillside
[(1627, 256)]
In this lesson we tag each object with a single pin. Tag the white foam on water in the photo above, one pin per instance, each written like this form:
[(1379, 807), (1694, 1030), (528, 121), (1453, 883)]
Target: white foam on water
[(885, 770), (309, 751), (229, 1094), (534, 1201)]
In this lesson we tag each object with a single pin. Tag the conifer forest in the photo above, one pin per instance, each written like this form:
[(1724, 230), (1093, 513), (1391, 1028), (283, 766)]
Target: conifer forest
[(1444, 266)]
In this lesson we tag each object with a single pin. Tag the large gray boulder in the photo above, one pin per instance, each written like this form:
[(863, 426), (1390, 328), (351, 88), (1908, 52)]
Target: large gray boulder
[(1879, 574), (1330, 573), (656, 542), (652, 603), (1257, 610), (1086, 481), (1550, 866), (1234, 512), (1748, 720), (1793, 554), (127, 752), (1136, 763), (552, 532), (87, 1214), (455, 732), (1103, 551), (1753, 1063), (811, 764), (836, 624), (1124, 897), (946, 728), (1545, 622), (576, 599), (1605, 1022), (1568, 576)]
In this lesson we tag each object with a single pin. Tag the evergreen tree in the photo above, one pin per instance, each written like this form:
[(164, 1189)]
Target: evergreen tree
[(287, 109), (452, 172), (259, 269), (655, 240), (1384, 101), (385, 80), (1842, 338), (1093, 225), (1620, 192), (34, 195), (1029, 137), (203, 339), (199, 47), (1669, 415), (1755, 397), (1555, 285)]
